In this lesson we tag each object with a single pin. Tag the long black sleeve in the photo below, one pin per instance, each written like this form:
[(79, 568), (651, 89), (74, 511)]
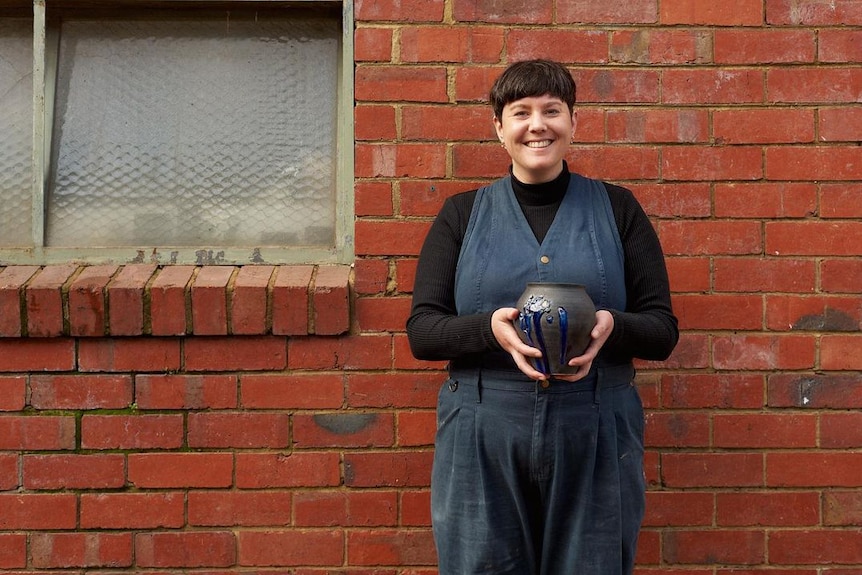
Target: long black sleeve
[(646, 329)]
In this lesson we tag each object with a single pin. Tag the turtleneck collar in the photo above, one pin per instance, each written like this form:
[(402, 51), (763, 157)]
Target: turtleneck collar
[(542, 194)]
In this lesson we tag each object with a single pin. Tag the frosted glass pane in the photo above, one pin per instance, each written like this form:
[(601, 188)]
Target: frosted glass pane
[(195, 133), (16, 131)]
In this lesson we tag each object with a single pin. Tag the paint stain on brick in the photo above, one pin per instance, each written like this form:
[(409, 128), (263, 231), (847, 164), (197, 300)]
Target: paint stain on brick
[(829, 320), (345, 424)]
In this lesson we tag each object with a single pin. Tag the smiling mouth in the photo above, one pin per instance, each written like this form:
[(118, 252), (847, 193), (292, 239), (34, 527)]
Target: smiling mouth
[(540, 144)]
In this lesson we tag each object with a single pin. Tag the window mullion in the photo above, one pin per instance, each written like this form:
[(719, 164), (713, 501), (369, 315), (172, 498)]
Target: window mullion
[(39, 141)]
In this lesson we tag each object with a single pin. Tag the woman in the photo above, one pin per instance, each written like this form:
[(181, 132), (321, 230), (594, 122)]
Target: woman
[(535, 474)]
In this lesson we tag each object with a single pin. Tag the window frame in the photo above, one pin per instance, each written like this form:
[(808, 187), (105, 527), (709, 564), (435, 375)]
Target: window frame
[(45, 51)]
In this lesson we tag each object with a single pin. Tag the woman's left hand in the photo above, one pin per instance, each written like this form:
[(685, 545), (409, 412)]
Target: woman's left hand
[(602, 330)]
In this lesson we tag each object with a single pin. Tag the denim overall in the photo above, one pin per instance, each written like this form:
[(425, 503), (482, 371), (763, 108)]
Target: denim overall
[(537, 478)]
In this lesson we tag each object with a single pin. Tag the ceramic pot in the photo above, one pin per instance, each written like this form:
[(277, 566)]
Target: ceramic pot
[(556, 318)]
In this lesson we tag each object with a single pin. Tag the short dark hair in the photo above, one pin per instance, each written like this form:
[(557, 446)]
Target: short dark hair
[(530, 78)]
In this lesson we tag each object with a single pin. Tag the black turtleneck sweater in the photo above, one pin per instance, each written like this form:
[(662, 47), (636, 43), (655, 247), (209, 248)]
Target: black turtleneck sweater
[(646, 329)]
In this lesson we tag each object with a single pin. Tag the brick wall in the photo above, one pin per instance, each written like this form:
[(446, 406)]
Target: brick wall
[(272, 419)]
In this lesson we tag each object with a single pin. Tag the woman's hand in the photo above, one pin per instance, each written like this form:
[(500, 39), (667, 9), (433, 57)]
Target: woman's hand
[(507, 336), (602, 330)]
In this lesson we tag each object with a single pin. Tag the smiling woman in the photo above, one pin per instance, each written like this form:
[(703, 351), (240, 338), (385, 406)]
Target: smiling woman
[(559, 487)]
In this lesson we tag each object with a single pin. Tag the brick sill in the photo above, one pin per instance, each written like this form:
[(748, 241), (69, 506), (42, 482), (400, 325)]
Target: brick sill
[(142, 299)]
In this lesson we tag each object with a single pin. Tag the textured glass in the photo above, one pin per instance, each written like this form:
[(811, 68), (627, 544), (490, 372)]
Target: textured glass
[(195, 133), (16, 131)]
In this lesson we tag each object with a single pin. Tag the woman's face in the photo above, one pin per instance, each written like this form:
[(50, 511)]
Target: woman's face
[(536, 131)]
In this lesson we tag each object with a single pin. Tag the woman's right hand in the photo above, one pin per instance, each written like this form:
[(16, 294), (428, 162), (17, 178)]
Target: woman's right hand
[(507, 336)]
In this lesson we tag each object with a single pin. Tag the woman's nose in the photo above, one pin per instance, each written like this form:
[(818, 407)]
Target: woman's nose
[(537, 122)]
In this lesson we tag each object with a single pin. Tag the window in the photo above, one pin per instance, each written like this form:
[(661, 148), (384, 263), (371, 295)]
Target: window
[(177, 134)]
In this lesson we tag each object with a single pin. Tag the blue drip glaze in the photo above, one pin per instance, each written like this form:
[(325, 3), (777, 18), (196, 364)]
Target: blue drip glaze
[(544, 367), (564, 328)]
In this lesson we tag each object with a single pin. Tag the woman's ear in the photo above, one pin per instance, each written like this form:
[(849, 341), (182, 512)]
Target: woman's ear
[(498, 126)]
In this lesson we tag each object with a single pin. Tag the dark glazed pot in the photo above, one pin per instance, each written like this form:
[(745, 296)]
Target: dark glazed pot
[(556, 318)]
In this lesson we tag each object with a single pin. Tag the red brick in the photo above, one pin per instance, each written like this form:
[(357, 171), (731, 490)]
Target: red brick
[(80, 391), (238, 430), (13, 390), (330, 300), (732, 13), (405, 274), (287, 470), (343, 430), (582, 12), (293, 391), (814, 238), (13, 550), (841, 430), (840, 46), (399, 10), (841, 201), (710, 391), (425, 44), (46, 432), (840, 352), (815, 547), (688, 274), (758, 275), (503, 11), (416, 428), (178, 470), (210, 300), (764, 431), (44, 301), (763, 126), (621, 86), (841, 275), (422, 160), (401, 83), (763, 352), (58, 472), (416, 508), (814, 13), (371, 276), (674, 429), (390, 547), (462, 123), (239, 508), (186, 549), (398, 390), (248, 313), (472, 84), (712, 86), (140, 431), (382, 314), (678, 508), (12, 282), (719, 311), (714, 546), (384, 237), (67, 550), (168, 296), (126, 299), (584, 46), (373, 199), (374, 122), (765, 200), (829, 85), (391, 469), (351, 509), (372, 44), (712, 163), (132, 510), (809, 163), (615, 163), (813, 469), (290, 300), (672, 126), (291, 547), (248, 353), (815, 391), (129, 354), (38, 511), (685, 470), (87, 304), (813, 313), (717, 237), (842, 508), (479, 161), (769, 46), (9, 474), (186, 391), (767, 509)]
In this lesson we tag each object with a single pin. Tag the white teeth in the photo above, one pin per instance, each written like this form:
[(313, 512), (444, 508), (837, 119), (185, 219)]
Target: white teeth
[(542, 144)]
